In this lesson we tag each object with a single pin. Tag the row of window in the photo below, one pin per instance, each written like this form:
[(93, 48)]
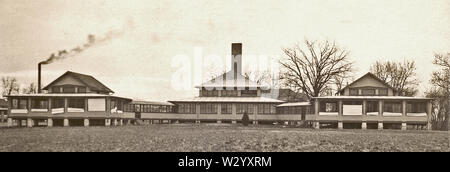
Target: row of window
[(148, 108), (228, 93), (59, 103), (373, 106), (294, 110), (68, 89), (227, 108), (368, 92)]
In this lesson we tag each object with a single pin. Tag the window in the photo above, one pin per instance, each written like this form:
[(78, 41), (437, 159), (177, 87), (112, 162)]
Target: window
[(382, 92), (372, 106), (81, 89), (266, 109), (210, 93), (56, 90), (68, 89), (395, 107), (229, 93), (328, 107), (354, 92), (227, 108), (57, 103), (416, 107), (188, 108), (249, 93), (208, 108), (39, 104), (23, 104), (242, 108), (368, 92), (78, 103)]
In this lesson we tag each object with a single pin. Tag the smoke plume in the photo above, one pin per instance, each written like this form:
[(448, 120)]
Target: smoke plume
[(92, 41)]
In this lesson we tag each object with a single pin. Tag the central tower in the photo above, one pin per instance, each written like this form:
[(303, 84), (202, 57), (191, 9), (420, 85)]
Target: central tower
[(236, 59)]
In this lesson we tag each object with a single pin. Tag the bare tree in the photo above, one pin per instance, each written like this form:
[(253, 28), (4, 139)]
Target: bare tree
[(265, 77), (441, 92), (9, 86), (401, 76), (30, 89), (312, 68)]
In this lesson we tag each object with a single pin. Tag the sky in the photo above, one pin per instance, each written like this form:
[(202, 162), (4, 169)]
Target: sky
[(141, 62)]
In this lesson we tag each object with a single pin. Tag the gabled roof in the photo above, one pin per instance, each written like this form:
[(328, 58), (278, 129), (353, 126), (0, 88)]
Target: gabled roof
[(227, 80), (368, 74), (88, 80)]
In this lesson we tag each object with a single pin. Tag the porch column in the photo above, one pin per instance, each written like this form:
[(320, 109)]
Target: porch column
[(364, 125), (219, 112), (197, 111), (65, 104), (29, 105), (9, 122), (316, 125), (403, 125), (255, 112), (429, 109), (66, 122), (50, 122), (380, 125), (404, 108), (340, 125), (380, 107), (19, 122), (86, 105), (364, 109), (29, 122), (49, 105), (121, 122), (115, 122), (233, 112), (340, 108), (316, 107), (107, 122), (86, 122)]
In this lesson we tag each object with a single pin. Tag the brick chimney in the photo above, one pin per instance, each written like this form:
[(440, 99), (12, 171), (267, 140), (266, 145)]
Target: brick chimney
[(236, 59)]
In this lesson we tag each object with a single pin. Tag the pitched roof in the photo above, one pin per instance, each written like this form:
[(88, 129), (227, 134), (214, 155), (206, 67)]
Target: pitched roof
[(368, 74), (142, 102), (229, 100), (70, 95), (227, 80), (88, 80)]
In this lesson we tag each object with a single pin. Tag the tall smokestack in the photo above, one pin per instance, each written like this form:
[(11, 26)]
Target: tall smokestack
[(39, 78), (236, 58)]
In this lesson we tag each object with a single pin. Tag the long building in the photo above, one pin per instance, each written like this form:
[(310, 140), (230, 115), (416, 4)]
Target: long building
[(369, 102), (78, 99), (72, 99)]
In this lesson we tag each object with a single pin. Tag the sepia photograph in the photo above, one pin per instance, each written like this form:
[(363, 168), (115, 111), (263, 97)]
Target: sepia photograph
[(257, 76)]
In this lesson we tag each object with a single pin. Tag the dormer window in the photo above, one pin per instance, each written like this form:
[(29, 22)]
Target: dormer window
[(383, 92), (354, 92), (68, 89), (81, 89), (56, 90), (368, 92)]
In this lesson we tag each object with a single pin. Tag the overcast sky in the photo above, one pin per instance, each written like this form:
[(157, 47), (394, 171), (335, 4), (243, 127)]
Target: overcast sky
[(138, 64)]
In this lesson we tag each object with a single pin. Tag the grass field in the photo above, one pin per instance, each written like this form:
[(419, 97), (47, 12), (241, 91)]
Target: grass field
[(212, 137)]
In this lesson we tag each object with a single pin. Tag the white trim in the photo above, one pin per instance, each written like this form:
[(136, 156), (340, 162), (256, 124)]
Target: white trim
[(329, 113), (39, 110), (391, 114), (417, 114), (19, 110)]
